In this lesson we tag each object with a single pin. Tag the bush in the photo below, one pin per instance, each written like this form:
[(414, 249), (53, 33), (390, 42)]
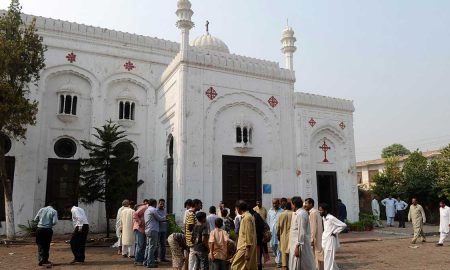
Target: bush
[(29, 229), (172, 226), (365, 222)]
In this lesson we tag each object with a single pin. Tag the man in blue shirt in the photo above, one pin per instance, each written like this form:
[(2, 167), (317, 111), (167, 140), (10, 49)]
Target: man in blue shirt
[(152, 219), (46, 217), (272, 219), (162, 235)]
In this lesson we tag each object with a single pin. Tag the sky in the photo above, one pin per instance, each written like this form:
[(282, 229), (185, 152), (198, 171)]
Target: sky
[(391, 57)]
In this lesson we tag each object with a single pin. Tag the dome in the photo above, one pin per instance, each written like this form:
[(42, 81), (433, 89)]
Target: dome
[(209, 42), (184, 4), (288, 32)]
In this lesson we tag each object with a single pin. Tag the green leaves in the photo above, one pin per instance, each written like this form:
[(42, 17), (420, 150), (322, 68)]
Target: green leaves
[(21, 60), (394, 150)]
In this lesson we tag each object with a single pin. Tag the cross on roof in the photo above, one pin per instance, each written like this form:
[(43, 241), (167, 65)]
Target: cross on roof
[(325, 148)]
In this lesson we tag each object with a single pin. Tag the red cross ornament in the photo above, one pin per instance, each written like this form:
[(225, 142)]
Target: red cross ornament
[(129, 65), (342, 125), (211, 93), (325, 148), (273, 102), (71, 57), (312, 122)]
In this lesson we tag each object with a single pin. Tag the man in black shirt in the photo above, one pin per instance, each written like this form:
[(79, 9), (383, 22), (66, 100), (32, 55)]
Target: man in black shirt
[(200, 237)]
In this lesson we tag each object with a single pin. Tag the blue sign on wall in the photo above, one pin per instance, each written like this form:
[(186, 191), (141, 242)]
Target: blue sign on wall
[(267, 188)]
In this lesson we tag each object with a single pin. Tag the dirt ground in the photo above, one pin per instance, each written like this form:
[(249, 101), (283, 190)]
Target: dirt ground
[(385, 253)]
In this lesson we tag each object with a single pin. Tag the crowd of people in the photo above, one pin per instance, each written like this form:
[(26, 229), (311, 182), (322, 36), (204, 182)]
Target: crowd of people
[(300, 236), (416, 215)]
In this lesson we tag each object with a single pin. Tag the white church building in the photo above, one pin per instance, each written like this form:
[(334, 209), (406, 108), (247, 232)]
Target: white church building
[(204, 122)]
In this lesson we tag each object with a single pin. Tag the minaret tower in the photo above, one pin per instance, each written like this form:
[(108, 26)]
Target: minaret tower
[(184, 23), (288, 48)]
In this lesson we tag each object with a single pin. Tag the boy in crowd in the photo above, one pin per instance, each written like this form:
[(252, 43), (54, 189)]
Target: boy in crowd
[(218, 246), (200, 238)]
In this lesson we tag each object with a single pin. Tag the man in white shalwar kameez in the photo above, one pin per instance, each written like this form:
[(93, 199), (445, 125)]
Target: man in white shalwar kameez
[(301, 256), (330, 242), (389, 203), (444, 222), (118, 244), (376, 212), (126, 226)]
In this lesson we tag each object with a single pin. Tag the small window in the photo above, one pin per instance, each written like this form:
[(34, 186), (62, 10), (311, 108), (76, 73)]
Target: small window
[(124, 150), (68, 104), (243, 134), (127, 110), (121, 110), (74, 105), (65, 148), (238, 134), (6, 142), (132, 111)]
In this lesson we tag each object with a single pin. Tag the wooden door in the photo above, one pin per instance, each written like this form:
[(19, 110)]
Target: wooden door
[(327, 190), (169, 203), (241, 180)]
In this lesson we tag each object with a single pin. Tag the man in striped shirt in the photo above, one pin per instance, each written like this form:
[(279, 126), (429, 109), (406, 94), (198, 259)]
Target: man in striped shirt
[(189, 224)]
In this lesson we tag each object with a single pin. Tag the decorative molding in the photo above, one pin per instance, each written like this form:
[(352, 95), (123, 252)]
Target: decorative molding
[(92, 32), (230, 62), (306, 99)]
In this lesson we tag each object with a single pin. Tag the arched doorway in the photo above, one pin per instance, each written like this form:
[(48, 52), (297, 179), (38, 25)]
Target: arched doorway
[(169, 194)]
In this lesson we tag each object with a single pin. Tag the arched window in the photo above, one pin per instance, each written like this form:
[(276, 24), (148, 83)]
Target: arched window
[(238, 134), (68, 104), (250, 135), (245, 135), (132, 111), (6, 142), (121, 110), (127, 110)]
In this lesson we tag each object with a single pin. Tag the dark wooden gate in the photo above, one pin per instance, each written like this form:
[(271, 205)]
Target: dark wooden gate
[(241, 180), (62, 184)]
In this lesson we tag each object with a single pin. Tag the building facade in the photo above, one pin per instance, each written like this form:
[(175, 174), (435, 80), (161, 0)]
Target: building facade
[(204, 123)]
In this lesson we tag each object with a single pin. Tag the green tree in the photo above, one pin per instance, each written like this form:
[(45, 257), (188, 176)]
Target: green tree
[(419, 178), (108, 171), (442, 167), (388, 181), (394, 150), (21, 60)]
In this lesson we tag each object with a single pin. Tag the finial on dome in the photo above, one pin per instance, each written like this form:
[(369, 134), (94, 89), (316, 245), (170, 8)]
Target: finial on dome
[(207, 27)]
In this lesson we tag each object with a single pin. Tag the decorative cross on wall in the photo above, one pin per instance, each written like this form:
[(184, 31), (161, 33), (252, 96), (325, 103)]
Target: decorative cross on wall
[(129, 65), (211, 93), (71, 57), (325, 148), (273, 102), (312, 122)]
